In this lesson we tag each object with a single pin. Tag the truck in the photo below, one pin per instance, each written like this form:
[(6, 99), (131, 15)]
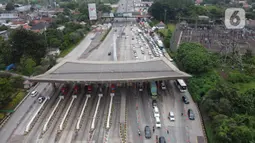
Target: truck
[(153, 90), (76, 89), (64, 90), (160, 44)]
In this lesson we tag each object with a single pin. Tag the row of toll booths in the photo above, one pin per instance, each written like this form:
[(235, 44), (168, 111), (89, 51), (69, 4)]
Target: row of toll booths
[(88, 88)]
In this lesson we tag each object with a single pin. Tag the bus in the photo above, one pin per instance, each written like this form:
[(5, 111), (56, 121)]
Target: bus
[(181, 85), (153, 88)]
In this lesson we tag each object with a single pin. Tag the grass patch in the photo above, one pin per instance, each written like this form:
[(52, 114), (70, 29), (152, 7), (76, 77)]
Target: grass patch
[(114, 9), (2, 115), (69, 49), (66, 51), (171, 27), (242, 87), (15, 101), (209, 132), (106, 34)]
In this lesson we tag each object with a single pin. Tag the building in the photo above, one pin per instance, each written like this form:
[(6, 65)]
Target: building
[(161, 25)]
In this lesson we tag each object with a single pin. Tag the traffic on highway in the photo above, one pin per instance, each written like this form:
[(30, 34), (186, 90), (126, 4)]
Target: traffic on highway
[(136, 112)]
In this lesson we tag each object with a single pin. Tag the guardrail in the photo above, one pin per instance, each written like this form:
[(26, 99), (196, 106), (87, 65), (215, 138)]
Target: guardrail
[(82, 112), (67, 111), (110, 110), (36, 113), (52, 113), (94, 117)]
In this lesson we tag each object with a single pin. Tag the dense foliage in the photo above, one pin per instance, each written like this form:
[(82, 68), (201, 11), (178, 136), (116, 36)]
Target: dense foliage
[(226, 98), (8, 85), (182, 8), (193, 58)]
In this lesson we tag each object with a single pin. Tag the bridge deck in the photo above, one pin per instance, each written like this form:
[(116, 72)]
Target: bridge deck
[(89, 71)]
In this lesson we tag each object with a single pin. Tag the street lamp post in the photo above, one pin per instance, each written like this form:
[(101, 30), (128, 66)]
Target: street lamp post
[(165, 16)]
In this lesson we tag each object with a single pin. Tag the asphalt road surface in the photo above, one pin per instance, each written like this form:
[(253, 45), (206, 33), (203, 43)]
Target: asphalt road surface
[(139, 104)]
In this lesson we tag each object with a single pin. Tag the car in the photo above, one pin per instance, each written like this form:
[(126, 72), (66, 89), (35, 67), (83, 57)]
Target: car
[(171, 116), (185, 99), (163, 85), (156, 111), (191, 114), (154, 103), (140, 85), (41, 99), (34, 93), (147, 132), (109, 53), (158, 124), (161, 140)]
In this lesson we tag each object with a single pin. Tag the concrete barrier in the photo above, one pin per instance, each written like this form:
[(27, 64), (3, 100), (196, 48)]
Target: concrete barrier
[(67, 111), (109, 113), (36, 113), (82, 112), (95, 114), (52, 113)]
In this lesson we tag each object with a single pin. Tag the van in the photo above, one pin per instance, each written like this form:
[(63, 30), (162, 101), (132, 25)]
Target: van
[(156, 111), (158, 124)]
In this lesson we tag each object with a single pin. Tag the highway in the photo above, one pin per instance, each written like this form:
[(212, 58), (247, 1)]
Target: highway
[(131, 45)]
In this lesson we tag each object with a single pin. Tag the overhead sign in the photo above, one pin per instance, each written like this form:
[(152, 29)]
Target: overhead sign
[(92, 11)]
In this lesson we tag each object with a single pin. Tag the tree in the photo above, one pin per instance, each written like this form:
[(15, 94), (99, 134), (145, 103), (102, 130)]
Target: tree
[(193, 58), (9, 6), (17, 81), (27, 66), (27, 43), (5, 52), (6, 91)]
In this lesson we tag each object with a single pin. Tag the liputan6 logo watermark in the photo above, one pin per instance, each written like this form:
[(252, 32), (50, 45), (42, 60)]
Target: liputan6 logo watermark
[(234, 18)]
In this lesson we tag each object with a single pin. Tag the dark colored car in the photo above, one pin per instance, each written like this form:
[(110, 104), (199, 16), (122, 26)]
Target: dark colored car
[(109, 53), (185, 99), (154, 103), (162, 140), (147, 132), (191, 114)]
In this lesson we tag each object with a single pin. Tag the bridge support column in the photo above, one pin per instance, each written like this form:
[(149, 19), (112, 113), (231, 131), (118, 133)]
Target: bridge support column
[(54, 85)]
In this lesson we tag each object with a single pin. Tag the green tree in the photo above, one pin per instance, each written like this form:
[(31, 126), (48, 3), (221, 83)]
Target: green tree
[(5, 52), (9, 6), (27, 43), (6, 91), (193, 58), (17, 81), (27, 66)]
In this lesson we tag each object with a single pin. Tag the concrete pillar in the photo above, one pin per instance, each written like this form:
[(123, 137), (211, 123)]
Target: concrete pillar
[(54, 85)]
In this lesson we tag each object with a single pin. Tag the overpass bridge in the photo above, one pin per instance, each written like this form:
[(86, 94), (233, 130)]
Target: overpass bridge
[(125, 15), (81, 71)]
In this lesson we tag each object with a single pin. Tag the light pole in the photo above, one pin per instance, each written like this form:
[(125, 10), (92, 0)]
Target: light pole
[(165, 16)]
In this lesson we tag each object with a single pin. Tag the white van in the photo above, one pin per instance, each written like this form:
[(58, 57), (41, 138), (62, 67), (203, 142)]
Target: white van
[(158, 124), (156, 111)]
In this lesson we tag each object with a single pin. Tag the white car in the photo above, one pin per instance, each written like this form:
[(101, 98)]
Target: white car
[(171, 116), (163, 85), (158, 124), (34, 93), (156, 112)]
